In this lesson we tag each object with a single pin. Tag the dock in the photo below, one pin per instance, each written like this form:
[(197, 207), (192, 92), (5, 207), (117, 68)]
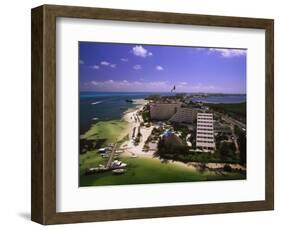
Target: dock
[(111, 157)]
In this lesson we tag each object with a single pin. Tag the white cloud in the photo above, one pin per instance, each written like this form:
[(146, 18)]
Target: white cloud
[(199, 48), (124, 59), (137, 67), (94, 83), (198, 87), (201, 87), (228, 53), (127, 86), (139, 51), (108, 64), (94, 67), (142, 86), (105, 63), (159, 67), (81, 62)]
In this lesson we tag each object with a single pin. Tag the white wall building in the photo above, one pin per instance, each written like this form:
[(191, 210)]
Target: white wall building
[(163, 111), (187, 115), (205, 131)]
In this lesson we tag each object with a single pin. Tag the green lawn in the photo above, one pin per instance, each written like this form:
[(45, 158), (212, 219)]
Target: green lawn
[(147, 171)]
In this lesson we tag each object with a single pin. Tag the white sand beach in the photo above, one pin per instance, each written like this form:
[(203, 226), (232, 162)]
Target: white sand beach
[(134, 121)]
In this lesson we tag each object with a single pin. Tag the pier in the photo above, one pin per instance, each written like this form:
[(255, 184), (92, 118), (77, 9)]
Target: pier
[(111, 157)]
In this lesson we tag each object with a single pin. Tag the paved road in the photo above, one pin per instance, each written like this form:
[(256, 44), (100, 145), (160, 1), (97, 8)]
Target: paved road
[(235, 139), (234, 122)]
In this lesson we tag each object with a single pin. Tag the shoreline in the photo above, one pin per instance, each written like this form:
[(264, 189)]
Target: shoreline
[(140, 103), (125, 116)]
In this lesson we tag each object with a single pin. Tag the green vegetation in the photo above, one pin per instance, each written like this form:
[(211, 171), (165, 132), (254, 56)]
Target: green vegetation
[(219, 138), (182, 129), (146, 171), (102, 133), (125, 138), (87, 145), (90, 159), (146, 113), (225, 153), (153, 97), (242, 142), (236, 110), (110, 131)]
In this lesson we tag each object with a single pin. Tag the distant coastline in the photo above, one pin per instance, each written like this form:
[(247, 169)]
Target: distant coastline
[(105, 106), (223, 99), (162, 93)]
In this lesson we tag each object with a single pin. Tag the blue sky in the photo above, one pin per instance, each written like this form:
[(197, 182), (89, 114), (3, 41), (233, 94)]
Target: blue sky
[(153, 68)]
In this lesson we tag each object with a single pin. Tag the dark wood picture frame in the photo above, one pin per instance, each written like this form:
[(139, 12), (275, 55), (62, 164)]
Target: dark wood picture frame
[(43, 197)]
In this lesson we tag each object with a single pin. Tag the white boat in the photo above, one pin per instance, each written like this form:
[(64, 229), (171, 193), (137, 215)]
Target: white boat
[(102, 150), (119, 171), (96, 102), (119, 151)]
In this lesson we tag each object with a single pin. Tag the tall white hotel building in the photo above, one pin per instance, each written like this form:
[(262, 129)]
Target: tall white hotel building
[(205, 131)]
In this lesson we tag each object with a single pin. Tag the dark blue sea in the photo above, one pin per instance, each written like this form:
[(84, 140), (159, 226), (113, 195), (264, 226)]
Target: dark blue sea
[(99, 106), (103, 106)]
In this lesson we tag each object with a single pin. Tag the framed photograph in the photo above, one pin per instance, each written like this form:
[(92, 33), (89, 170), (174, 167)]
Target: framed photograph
[(140, 114)]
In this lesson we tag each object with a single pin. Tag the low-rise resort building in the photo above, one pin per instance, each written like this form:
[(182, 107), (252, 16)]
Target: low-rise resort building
[(205, 131), (174, 112), (185, 115), (177, 112), (163, 111)]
